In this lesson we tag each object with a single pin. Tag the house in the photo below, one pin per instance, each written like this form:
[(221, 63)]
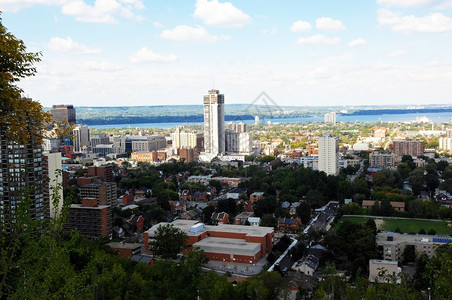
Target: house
[(307, 265), (144, 259), (193, 214), (400, 206), (220, 217), (235, 193), (256, 196), (178, 207), (289, 224), (126, 249), (241, 218), (134, 224), (127, 199), (296, 281)]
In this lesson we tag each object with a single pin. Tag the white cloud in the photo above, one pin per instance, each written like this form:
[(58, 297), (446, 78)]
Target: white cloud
[(158, 25), (318, 39), (300, 25), (146, 55), (103, 11), (214, 13), (397, 53), (357, 42), (432, 23), (104, 66), (329, 24), (416, 3), (270, 31), (16, 5), (187, 33), (67, 45)]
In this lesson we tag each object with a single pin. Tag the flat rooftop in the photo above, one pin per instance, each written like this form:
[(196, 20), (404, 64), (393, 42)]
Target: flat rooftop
[(408, 238), (120, 245), (186, 225), (383, 261), (228, 246)]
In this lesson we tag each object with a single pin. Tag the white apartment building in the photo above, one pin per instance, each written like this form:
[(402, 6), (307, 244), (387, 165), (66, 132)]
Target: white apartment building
[(330, 117), (329, 154)]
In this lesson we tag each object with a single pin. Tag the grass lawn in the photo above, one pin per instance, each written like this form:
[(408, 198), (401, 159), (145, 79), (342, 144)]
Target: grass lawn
[(405, 225)]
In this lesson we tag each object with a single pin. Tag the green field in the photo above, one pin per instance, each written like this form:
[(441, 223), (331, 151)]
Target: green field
[(405, 225)]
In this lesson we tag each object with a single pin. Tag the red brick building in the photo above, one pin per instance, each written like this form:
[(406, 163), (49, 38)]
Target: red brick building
[(103, 172), (228, 243), (89, 218), (408, 147)]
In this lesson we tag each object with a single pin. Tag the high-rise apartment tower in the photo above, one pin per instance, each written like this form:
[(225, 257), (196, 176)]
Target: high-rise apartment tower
[(328, 154), (214, 141)]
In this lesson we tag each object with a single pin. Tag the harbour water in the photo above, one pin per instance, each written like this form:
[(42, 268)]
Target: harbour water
[(433, 117)]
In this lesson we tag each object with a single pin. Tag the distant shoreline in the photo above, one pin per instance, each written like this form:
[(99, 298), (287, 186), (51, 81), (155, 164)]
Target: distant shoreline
[(441, 117)]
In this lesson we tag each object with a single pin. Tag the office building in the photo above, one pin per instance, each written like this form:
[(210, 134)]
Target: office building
[(136, 143), (80, 137), (328, 154), (408, 147), (214, 140), (63, 113), (99, 139), (330, 118)]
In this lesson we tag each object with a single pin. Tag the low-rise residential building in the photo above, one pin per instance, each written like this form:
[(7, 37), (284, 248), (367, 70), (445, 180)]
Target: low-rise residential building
[(383, 270), (400, 206), (392, 244), (381, 160), (289, 224), (241, 218)]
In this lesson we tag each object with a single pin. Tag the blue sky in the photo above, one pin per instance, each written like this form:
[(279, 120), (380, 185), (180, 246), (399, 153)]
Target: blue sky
[(300, 52)]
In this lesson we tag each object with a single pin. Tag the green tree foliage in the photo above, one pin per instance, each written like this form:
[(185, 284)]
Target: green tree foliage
[(439, 272), (355, 242), (304, 211), (168, 241)]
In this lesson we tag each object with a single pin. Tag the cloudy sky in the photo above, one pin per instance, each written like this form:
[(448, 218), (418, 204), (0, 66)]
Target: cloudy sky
[(300, 52)]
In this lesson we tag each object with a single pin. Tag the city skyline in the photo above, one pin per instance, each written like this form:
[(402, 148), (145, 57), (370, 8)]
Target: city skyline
[(116, 52)]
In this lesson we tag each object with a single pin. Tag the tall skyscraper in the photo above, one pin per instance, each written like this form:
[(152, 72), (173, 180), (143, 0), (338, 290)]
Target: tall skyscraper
[(214, 141), (21, 176), (329, 154), (63, 113)]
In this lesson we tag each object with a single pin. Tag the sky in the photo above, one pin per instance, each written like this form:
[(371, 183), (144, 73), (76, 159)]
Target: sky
[(299, 52)]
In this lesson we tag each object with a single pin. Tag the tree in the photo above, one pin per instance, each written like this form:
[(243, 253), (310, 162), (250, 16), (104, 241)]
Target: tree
[(16, 63), (168, 241), (304, 211)]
